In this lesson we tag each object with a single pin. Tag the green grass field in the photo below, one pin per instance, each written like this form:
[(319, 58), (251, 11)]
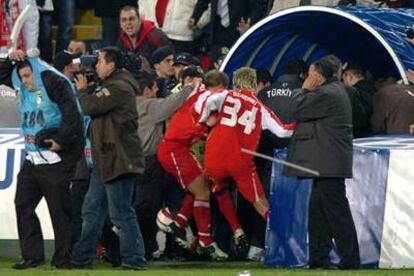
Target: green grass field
[(191, 269)]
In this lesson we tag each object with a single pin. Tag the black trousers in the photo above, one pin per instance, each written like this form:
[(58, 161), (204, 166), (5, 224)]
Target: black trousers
[(330, 218), (155, 189), (51, 182)]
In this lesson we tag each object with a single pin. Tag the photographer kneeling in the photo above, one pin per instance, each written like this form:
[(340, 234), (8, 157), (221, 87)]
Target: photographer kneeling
[(117, 160)]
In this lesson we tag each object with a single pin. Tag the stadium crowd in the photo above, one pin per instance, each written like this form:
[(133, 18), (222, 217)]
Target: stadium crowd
[(141, 148)]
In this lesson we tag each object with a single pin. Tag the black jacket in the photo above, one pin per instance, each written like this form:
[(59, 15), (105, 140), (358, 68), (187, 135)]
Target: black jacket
[(70, 133), (280, 99), (111, 8), (360, 96), (322, 140), (237, 9)]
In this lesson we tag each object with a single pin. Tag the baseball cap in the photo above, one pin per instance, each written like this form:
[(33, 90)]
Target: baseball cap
[(65, 58), (186, 59), (160, 54), (193, 72)]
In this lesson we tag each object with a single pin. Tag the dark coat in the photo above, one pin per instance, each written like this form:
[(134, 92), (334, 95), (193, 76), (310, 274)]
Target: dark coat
[(111, 8), (237, 9), (322, 140), (280, 99), (393, 109), (116, 147)]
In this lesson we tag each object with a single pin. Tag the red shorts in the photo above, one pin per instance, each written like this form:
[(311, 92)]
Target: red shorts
[(241, 171), (180, 162)]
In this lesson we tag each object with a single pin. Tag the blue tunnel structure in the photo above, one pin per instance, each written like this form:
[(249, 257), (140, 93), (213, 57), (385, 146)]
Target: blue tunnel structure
[(374, 37)]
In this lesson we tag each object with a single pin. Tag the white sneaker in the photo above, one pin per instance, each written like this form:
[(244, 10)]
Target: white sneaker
[(255, 253), (212, 250)]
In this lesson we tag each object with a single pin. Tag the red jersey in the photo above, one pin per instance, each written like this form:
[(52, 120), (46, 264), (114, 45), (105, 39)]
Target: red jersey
[(184, 127), (240, 122)]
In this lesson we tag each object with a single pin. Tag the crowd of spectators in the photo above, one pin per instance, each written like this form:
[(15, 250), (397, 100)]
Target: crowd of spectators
[(112, 195)]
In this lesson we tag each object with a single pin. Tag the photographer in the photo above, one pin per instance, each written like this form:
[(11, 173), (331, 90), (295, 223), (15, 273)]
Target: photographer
[(52, 128), (117, 159)]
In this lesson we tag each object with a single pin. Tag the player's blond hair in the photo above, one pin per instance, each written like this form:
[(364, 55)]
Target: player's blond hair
[(245, 79)]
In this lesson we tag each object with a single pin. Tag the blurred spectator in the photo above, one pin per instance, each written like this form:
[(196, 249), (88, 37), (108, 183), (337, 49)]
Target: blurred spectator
[(181, 61), (10, 11), (347, 3), (361, 99), (108, 11), (229, 19), (162, 60), (172, 17), (65, 61), (9, 115), (139, 35), (217, 57), (411, 129), (77, 46), (64, 13), (393, 109), (264, 79), (279, 97), (281, 5)]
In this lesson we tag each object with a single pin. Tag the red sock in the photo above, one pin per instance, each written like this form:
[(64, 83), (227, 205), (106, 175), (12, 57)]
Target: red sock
[(202, 217), (226, 206), (186, 210)]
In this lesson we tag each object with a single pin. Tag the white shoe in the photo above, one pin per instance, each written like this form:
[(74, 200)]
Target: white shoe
[(255, 253), (212, 250)]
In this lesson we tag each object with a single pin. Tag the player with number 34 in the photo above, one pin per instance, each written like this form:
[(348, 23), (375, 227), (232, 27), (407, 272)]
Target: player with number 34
[(240, 120)]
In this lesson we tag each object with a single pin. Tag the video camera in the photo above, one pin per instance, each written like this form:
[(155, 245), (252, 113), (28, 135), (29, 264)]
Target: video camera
[(132, 63), (87, 68)]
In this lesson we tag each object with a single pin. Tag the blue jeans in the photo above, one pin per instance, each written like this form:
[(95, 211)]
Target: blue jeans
[(114, 197)]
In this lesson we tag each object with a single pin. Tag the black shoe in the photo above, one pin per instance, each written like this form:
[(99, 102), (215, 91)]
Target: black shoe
[(131, 267), (79, 265), (212, 250), (62, 266), (180, 235), (241, 242), (28, 264)]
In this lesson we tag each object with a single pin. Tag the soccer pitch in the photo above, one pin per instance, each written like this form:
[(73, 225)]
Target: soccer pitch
[(191, 269)]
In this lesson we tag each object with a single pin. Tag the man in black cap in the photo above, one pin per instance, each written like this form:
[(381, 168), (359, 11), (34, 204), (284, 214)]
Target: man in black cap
[(162, 60), (67, 62), (182, 60)]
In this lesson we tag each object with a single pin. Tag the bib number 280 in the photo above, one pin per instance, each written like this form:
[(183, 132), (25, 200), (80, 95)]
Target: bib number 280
[(232, 108)]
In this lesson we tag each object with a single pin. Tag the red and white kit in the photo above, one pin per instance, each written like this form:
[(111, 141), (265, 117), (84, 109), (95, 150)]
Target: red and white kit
[(241, 119)]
